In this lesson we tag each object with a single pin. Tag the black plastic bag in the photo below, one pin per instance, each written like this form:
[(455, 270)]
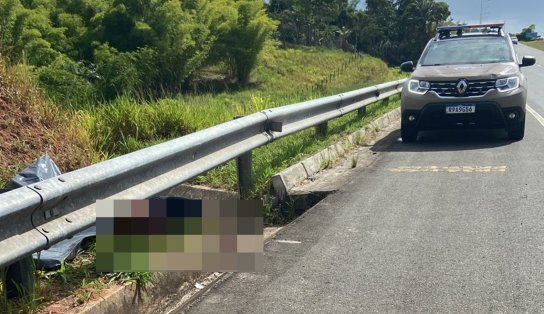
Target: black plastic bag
[(65, 250), (42, 169)]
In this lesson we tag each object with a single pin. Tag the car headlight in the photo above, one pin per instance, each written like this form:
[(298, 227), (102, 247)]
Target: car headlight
[(507, 84), (419, 87)]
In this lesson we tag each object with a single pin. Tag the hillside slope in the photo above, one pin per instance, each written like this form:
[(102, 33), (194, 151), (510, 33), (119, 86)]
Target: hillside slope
[(31, 126)]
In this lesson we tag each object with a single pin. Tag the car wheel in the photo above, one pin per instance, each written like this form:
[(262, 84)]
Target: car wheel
[(517, 133), (408, 134)]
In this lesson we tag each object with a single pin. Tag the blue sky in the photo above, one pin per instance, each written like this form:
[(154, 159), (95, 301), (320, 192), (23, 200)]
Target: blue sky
[(517, 14)]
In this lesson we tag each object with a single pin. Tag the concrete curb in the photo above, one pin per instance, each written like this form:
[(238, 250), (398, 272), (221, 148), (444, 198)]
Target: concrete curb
[(293, 176)]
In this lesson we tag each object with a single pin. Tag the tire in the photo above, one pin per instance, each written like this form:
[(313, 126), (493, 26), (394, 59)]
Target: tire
[(517, 133), (408, 134)]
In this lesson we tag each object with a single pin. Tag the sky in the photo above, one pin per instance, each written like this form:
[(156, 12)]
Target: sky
[(517, 14)]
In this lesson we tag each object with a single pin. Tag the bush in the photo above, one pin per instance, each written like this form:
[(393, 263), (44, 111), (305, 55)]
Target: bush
[(126, 125), (68, 82)]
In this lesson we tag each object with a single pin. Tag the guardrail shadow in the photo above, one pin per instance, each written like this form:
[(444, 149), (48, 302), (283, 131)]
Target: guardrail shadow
[(444, 140)]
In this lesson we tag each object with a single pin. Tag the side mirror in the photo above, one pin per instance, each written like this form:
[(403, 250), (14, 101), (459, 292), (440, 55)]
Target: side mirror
[(407, 66), (528, 61)]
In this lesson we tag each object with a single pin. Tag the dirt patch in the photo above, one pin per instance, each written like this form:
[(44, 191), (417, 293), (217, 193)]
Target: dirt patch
[(72, 303), (30, 126)]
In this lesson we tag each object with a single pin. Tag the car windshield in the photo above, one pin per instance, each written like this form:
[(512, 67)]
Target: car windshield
[(467, 51)]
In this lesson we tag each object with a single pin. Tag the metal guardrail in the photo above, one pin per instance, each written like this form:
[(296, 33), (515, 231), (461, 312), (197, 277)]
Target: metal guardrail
[(34, 217)]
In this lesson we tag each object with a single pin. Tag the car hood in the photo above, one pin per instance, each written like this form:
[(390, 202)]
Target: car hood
[(465, 71)]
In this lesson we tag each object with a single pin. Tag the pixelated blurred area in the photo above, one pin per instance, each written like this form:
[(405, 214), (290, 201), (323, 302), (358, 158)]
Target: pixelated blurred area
[(179, 234)]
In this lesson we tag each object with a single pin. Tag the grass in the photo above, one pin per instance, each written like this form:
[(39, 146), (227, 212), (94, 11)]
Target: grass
[(76, 279), (538, 44), (30, 126), (354, 161), (70, 278), (284, 76)]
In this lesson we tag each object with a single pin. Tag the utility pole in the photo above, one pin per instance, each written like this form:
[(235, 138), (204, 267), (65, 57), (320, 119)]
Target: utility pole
[(481, 10)]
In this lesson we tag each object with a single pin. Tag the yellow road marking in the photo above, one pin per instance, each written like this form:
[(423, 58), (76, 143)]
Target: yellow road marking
[(449, 169), (536, 115)]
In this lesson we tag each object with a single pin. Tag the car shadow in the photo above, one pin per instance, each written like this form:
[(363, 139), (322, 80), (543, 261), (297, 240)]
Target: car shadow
[(444, 140)]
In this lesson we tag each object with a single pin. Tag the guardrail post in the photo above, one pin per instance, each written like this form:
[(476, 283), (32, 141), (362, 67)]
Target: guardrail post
[(322, 129), (19, 279), (361, 112), (244, 171)]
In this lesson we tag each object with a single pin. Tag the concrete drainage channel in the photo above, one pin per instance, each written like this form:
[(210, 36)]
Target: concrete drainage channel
[(298, 188), (293, 181)]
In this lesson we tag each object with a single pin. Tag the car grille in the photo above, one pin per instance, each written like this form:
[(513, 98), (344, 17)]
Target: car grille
[(475, 88)]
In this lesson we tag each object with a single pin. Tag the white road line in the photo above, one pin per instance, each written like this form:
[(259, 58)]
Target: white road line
[(288, 241), (536, 115), (449, 169)]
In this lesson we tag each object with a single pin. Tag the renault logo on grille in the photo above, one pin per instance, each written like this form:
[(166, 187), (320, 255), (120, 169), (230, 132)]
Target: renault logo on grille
[(462, 87)]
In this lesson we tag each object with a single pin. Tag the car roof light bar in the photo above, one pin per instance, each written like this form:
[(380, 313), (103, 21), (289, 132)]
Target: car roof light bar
[(445, 31)]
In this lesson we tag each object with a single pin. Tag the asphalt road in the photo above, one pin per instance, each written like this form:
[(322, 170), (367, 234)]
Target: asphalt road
[(535, 77), (453, 223)]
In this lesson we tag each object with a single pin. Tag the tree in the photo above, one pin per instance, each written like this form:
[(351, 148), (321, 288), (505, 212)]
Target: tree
[(28, 35), (529, 29), (182, 39), (242, 37), (127, 46), (12, 18), (377, 35), (417, 20), (397, 31), (309, 22)]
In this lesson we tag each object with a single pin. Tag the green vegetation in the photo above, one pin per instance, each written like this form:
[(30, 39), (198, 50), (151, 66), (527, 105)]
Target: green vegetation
[(288, 76), (83, 51), (526, 33), (53, 285), (284, 76), (538, 44), (30, 125), (76, 279), (395, 31)]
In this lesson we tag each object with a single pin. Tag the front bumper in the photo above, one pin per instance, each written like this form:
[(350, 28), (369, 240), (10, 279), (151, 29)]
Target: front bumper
[(487, 116), (492, 110)]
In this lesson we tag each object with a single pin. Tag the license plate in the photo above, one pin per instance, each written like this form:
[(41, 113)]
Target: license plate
[(460, 108)]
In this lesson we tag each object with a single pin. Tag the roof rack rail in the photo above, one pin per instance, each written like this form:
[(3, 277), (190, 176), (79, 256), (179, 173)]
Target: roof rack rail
[(445, 31)]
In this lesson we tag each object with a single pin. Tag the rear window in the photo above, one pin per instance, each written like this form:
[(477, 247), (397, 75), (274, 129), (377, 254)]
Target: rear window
[(467, 51)]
